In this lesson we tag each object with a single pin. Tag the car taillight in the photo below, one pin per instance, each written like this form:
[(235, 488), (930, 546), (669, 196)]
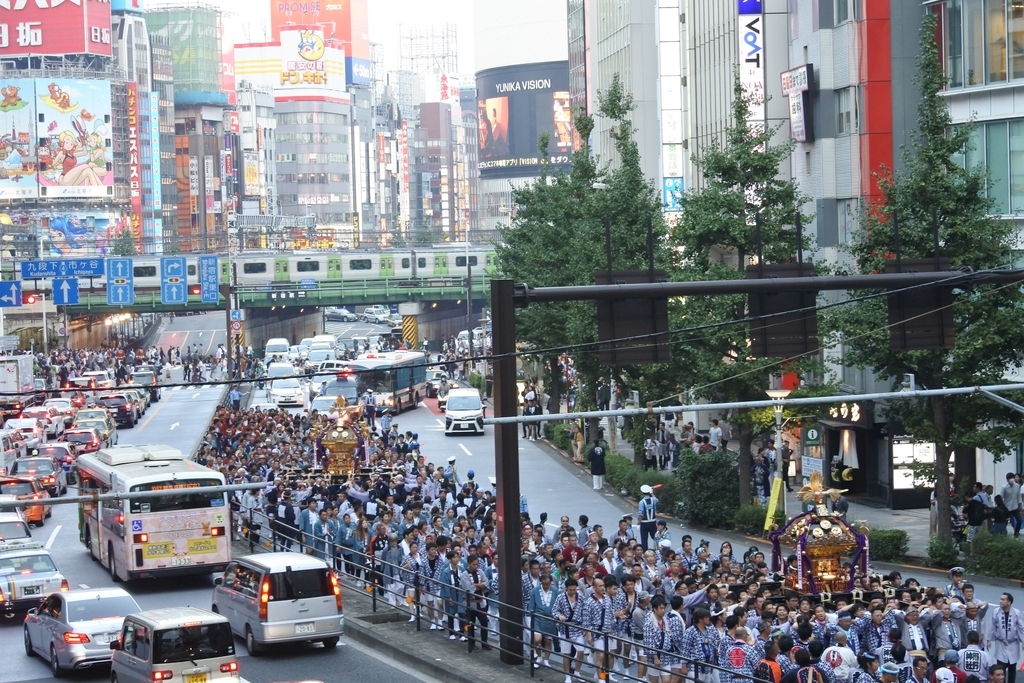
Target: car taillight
[(163, 675), (229, 668), (336, 588), (76, 638), (49, 480), (64, 586), (264, 598), (3, 598)]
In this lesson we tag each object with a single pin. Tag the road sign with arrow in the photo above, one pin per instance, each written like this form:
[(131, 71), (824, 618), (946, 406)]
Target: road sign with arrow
[(10, 294), (173, 283), (120, 282), (65, 291)]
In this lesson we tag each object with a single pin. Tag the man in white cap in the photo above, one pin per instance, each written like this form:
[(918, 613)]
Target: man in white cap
[(370, 408), (648, 509), (451, 476)]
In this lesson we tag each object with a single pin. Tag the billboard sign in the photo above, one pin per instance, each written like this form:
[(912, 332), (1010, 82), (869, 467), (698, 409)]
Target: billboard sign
[(73, 128), (751, 37), (515, 105), (343, 22), (154, 133), (54, 27), (75, 234), (208, 175), (302, 58), (134, 159), (127, 6), (750, 6), (18, 160), (795, 85), (251, 173)]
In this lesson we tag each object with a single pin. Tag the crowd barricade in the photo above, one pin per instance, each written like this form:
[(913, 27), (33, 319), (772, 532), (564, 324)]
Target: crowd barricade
[(410, 597)]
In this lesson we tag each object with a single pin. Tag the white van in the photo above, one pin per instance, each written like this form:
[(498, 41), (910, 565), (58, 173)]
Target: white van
[(323, 339), (464, 412), (174, 644), (279, 346), (280, 598)]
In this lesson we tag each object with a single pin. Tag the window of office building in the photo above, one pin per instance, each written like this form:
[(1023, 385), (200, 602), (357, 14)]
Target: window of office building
[(983, 41), (846, 111)]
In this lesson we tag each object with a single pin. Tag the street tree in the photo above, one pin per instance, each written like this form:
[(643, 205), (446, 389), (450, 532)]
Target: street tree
[(123, 244), (557, 237), (940, 208), (744, 210)]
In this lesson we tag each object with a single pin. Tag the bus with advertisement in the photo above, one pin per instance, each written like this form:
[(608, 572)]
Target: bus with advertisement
[(398, 379), (182, 532)]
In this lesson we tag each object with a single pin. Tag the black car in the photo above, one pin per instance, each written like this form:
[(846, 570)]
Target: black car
[(121, 408)]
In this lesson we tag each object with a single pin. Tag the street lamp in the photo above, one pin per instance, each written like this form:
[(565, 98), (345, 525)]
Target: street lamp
[(778, 395)]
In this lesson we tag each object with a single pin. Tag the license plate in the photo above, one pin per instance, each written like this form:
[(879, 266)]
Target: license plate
[(195, 678), (305, 628), (103, 637), (181, 562), (30, 590)]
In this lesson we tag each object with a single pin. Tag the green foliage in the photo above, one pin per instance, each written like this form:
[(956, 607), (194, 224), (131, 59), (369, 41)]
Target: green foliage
[(123, 244), (561, 436), (172, 248), (709, 487), (941, 553), (749, 519), (625, 476), (997, 555), (889, 545), (934, 192), (476, 380)]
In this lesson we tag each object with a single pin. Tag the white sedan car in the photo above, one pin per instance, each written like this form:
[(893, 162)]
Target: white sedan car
[(50, 416), (25, 577), (288, 391)]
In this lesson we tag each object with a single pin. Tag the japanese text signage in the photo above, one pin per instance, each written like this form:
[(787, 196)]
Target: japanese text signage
[(134, 159), (795, 85), (209, 279), (38, 270), (751, 50), (852, 413), (54, 27)]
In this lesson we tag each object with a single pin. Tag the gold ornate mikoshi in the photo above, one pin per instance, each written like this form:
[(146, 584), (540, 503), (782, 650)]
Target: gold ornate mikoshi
[(341, 440)]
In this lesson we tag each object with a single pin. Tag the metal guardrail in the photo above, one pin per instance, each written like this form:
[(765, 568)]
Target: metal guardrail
[(349, 563)]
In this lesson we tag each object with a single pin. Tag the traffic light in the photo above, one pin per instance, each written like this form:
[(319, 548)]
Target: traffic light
[(28, 298)]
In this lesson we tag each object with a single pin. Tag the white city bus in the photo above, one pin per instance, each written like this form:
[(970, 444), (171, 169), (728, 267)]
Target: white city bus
[(181, 533), (398, 379)]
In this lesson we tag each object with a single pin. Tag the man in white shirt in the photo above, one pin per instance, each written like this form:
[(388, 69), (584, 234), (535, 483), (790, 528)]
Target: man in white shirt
[(1011, 498), (715, 435), (840, 657)]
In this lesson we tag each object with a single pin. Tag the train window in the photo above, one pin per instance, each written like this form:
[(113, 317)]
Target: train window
[(144, 271), (307, 266), (405, 263), (421, 262), (248, 268), (460, 261), (472, 260), (360, 264), (192, 271)]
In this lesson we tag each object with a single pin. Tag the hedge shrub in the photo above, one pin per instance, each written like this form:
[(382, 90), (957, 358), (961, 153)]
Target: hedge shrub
[(625, 476), (997, 555), (889, 545), (749, 519), (709, 487), (942, 553)]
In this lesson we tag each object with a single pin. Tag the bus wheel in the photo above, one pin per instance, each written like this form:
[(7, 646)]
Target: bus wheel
[(113, 570), (88, 543)]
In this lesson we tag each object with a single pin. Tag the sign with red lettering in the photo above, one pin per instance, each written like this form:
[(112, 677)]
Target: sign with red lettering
[(134, 158), (233, 124), (54, 27)]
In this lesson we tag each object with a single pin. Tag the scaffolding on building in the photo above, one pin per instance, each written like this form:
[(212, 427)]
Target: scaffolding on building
[(426, 48), (378, 73)]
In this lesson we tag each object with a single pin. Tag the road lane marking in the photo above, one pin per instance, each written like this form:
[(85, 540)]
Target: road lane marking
[(464, 449), (82, 585), (177, 388), (53, 536), (195, 395), (440, 421), (175, 425), (154, 414)]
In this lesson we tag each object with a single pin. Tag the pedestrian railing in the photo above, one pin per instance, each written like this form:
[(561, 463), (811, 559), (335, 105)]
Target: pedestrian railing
[(362, 571)]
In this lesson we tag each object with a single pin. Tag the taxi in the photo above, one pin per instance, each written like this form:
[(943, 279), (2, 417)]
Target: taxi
[(26, 575), (27, 488), (14, 531)]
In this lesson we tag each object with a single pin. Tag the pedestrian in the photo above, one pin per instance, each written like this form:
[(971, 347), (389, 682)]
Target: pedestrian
[(1006, 635), (476, 586), (370, 408), (648, 514), (597, 470), (715, 435), (1010, 493)]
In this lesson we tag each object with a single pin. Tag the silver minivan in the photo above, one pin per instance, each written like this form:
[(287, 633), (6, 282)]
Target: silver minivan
[(181, 644), (280, 598)]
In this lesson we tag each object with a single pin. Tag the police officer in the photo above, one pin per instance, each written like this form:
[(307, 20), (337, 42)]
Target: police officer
[(648, 509)]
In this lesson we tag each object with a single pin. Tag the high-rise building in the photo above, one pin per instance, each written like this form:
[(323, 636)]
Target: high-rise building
[(259, 150), (202, 144), (517, 100), (163, 97)]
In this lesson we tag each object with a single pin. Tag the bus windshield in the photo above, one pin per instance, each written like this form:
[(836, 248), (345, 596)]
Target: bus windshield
[(180, 496)]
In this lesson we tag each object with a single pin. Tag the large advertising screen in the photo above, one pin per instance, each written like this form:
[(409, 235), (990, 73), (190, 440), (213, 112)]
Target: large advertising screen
[(18, 139), (344, 21), (73, 127), (38, 27), (516, 104)]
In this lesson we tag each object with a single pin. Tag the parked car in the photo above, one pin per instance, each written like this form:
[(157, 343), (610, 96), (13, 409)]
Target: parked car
[(73, 629), (46, 470), (30, 573), (27, 488), (51, 418)]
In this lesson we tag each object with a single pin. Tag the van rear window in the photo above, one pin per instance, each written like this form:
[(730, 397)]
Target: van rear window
[(193, 642), (304, 583)]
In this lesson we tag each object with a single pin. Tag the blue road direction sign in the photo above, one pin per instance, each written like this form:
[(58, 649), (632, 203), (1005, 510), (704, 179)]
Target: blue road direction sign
[(173, 283), (209, 279), (236, 315), (65, 291), (75, 267), (10, 294), (120, 282)]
